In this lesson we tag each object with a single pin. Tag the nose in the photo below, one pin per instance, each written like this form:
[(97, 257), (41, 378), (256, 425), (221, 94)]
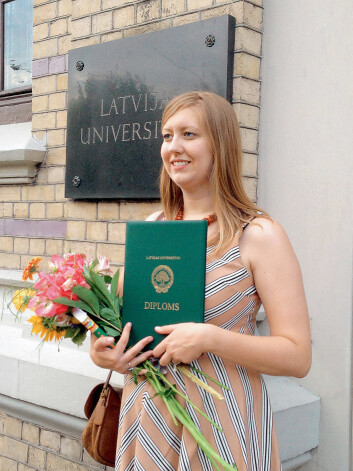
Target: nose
[(175, 144)]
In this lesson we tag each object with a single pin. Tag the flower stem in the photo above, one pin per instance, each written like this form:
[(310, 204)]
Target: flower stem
[(208, 377), (157, 386), (154, 376), (205, 446), (171, 386), (202, 384)]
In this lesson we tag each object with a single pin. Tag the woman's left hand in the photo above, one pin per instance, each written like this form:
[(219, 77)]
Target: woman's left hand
[(184, 342)]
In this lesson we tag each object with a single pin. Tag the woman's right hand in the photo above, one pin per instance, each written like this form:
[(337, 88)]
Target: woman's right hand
[(116, 358)]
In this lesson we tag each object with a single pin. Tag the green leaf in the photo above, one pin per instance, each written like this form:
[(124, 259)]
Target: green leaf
[(70, 333), (87, 296), (94, 264), (135, 374), (118, 303), (70, 302), (166, 393), (99, 295), (109, 314), (100, 284), (107, 279), (79, 338), (114, 284), (76, 333), (86, 272), (110, 331)]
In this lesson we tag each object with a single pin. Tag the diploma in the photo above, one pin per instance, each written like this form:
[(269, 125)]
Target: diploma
[(164, 281)]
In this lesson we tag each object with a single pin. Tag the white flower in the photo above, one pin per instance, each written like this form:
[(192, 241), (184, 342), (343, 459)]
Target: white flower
[(103, 266)]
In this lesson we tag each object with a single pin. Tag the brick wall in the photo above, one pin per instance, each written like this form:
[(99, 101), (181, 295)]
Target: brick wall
[(36, 219), (28, 447)]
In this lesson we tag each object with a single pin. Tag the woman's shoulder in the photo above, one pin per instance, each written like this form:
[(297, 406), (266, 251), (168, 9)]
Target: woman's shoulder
[(265, 246), (156, 216), (264, 235), (264, 227)]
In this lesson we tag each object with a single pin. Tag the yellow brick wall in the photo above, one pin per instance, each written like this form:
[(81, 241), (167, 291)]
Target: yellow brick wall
[(25, 446), (98, 227)]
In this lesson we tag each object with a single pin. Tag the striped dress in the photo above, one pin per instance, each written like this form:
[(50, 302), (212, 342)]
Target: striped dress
[(148, 440)]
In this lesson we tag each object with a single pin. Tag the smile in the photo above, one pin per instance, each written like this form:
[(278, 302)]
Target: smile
[(180, 163)]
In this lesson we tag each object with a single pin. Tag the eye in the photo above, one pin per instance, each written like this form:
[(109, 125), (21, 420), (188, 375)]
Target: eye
[(167, 136), (189, 134)]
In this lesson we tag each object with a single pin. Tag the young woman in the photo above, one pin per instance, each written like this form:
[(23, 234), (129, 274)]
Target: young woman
[(250, 261)]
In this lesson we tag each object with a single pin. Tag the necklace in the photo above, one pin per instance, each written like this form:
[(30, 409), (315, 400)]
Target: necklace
[(210, 219)]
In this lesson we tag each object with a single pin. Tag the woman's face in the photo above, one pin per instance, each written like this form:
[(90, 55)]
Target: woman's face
[(186, 151)]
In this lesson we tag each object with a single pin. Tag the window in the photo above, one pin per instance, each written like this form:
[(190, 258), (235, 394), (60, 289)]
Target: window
[(16, 38)]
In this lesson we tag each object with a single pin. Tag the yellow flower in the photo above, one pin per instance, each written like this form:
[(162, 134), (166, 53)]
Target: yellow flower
[(32, 268), (45, 333), (21, 298)]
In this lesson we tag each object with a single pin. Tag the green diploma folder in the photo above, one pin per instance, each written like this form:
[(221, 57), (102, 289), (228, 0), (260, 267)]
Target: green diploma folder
[(164, 280)]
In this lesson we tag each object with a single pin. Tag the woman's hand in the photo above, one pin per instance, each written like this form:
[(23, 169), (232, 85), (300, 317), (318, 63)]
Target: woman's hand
[(116, 358), (184, 342)]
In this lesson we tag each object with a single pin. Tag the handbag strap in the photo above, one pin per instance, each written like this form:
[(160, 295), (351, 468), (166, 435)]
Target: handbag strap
[(108, 379)]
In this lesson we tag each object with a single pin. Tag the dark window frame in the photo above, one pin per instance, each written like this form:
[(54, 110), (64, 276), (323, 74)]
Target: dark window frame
[(14, 96)]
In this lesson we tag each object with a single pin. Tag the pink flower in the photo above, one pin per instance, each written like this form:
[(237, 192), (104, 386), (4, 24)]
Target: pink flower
[(76, 261), (43, 282), (50, 309), (44, 307), (56, 263), (68, 284), (66, 272), (33, 302), (103, 266), (53, 292)]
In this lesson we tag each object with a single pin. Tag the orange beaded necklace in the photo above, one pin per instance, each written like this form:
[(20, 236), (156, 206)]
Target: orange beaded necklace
[(210, 219)]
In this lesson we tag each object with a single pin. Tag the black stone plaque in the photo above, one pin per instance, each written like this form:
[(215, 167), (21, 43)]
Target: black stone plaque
[(117, 93)]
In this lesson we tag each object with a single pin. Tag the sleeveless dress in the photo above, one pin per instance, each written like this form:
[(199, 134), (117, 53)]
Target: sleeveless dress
[(148, 440)]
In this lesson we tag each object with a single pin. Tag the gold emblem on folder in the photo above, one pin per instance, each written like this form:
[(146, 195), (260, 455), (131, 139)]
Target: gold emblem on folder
[(162, 278)]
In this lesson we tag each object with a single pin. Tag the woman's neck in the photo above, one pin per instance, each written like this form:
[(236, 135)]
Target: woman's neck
[(197, 207)]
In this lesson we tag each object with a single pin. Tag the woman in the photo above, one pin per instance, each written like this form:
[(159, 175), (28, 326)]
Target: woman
[(249, 259)]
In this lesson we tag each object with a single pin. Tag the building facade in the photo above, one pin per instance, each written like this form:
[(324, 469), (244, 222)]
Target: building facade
[(274, 95)]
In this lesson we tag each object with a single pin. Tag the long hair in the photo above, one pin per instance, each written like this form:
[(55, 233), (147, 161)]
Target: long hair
[(232, 205)]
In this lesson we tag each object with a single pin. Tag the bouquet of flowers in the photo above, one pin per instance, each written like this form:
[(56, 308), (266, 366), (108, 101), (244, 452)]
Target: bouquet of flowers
[(72, 281), (78, 288)]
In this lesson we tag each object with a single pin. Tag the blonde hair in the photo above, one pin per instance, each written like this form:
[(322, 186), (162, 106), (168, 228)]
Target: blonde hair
[(232, 205)]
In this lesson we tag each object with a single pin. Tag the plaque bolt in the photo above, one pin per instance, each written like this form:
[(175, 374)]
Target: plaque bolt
[(76, 181), (210, 40), (79, 65)]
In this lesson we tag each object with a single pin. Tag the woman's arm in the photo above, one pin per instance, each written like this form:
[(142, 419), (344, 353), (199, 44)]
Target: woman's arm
[(267, 252)]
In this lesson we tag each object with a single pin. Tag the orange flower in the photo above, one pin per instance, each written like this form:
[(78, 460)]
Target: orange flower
[(32, 268), (47, 334)]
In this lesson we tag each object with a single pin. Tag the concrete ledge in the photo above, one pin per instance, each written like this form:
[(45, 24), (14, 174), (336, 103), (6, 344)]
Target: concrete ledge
[(42, 416), (58, 380), (293, 463), (12, 278), (297, 419), (49, 387), (20, 154)]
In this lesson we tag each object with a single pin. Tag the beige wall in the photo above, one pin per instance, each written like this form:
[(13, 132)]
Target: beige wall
[(97, 228), (29, 447), (306, 170)]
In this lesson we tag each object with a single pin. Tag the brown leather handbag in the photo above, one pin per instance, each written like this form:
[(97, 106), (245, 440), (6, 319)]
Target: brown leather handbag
[(102, 408)]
